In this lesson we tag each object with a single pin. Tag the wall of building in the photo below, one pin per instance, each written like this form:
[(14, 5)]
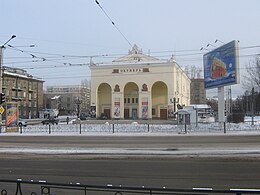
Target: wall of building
[(63, 98), (26, 91), (162, 81)]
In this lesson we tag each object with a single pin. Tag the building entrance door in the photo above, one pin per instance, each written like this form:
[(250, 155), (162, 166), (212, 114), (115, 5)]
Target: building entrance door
[(107, 113), (163, 114), (134, 113), (126, 113)]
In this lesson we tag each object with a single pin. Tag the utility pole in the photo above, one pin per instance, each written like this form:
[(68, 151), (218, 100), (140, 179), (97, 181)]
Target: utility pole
[(252, 105), (230, 111), (1, 61), (1, 71)]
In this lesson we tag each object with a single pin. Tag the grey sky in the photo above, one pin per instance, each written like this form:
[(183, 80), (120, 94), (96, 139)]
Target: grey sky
[(80, 28)]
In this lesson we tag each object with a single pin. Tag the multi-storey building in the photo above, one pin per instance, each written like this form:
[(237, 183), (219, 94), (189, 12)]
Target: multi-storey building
[(23, 88), (64, 98)]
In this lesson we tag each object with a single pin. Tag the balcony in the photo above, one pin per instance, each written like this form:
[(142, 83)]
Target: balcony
[(17, 88)]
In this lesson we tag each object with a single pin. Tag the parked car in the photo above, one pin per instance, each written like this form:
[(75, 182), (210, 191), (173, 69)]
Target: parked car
[(51, 120), (83, 116), (22, 123)]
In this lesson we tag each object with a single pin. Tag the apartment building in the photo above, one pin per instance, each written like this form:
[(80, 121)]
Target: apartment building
[(64, 98), (23, 88)]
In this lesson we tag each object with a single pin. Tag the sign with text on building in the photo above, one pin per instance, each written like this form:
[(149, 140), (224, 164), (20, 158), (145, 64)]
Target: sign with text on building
[(221, 66)]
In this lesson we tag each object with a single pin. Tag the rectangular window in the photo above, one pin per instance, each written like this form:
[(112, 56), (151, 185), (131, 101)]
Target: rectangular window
[(153, 111), (128, 100), (133, 100), (124, 100), (136, 100), (115, 71), (145, 69)]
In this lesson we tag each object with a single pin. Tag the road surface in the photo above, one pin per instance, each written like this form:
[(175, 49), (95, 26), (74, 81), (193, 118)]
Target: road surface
[(223, 162)]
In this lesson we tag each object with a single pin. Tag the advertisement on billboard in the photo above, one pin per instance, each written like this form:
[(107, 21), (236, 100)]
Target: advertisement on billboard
[(221, 66)]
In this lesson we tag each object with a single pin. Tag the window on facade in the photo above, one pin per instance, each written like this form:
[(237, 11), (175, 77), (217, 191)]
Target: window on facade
[(124, 100), (133, 100), (128, 100), (153, 111), (145, 69), (115, 71), (136, 100)]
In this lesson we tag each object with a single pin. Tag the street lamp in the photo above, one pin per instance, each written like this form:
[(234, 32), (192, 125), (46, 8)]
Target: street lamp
[(1, 61), (1, 72)]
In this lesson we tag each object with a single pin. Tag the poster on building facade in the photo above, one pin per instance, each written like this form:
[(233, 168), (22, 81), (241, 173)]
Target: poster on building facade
[(117, 108), (144, 108), (11, 117)]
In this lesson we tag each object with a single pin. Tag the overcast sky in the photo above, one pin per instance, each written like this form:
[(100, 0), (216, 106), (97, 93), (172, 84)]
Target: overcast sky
[(78, 29)]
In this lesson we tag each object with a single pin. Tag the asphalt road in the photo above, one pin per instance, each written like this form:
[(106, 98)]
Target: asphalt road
[(235, 162)]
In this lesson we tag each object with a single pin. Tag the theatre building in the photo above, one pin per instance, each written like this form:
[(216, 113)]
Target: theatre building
[(138, 86)]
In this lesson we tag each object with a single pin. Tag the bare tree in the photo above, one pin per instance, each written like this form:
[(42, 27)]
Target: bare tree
[(193, 72), (85, 95), (252, 78)]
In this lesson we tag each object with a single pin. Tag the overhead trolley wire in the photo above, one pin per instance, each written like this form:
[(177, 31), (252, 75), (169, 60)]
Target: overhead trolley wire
[(113, 23)]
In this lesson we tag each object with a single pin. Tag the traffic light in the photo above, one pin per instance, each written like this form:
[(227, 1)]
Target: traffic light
[(2, 98)]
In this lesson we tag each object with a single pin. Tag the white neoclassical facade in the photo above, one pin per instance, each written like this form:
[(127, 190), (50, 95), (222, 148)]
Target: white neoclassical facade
[(137, 86)]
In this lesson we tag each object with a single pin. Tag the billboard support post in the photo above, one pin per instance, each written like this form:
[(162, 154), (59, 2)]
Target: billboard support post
[(221, 103)]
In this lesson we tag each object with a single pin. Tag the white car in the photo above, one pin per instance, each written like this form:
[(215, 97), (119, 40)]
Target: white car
[(21, 123)]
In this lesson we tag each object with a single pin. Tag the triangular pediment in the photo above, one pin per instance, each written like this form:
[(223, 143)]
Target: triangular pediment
[(135, 55)]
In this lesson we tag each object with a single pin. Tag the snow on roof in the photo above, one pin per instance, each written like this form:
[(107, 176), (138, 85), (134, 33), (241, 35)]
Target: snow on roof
[(28, 76), (55, 97), (200, 106)]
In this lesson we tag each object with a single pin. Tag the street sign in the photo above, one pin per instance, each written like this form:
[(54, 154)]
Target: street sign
[(2, 109)]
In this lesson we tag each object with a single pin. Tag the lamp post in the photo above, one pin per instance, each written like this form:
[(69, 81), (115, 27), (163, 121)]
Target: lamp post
[(1, 73), (1, 62)]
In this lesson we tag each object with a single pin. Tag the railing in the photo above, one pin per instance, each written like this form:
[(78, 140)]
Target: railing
[(134, 127), (19, 187), (138, 128)]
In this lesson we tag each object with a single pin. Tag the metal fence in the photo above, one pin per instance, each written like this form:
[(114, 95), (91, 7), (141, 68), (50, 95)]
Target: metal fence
[(19, 187), (134, 127)]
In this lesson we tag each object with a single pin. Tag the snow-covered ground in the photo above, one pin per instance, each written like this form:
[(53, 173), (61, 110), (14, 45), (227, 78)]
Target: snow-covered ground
[(135, 128)]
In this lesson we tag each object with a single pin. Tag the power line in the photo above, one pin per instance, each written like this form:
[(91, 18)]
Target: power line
[(113, 23)]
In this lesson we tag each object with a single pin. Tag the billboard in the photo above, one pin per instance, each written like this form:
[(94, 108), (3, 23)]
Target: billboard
[(221, 66), (11, 117)]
